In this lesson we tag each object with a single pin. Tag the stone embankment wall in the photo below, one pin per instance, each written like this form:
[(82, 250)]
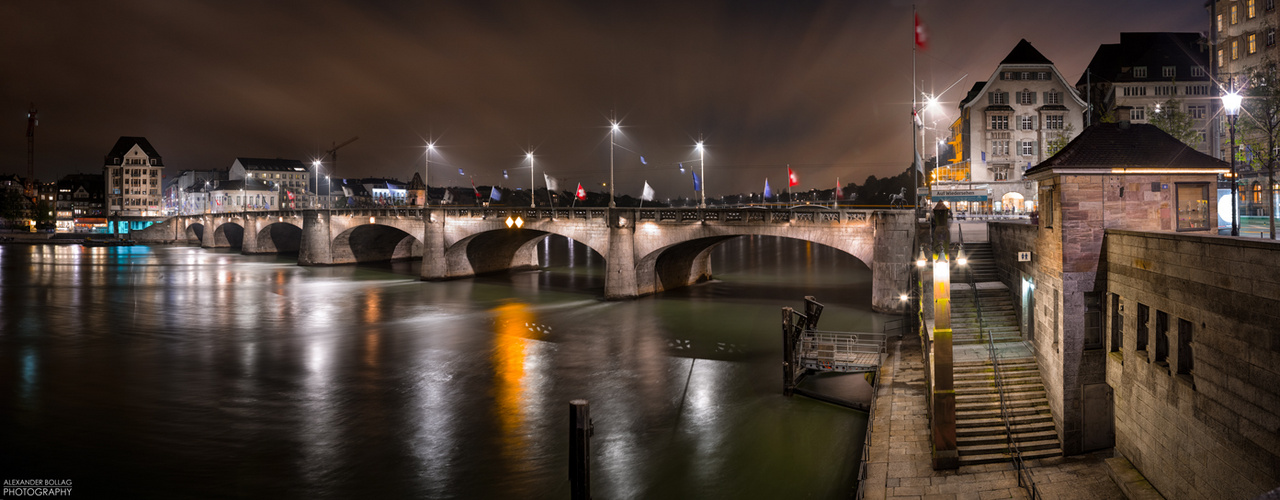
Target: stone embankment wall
[(1197, 408)]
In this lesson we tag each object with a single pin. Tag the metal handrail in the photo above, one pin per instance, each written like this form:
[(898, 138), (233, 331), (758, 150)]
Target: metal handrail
[(1019, 464)]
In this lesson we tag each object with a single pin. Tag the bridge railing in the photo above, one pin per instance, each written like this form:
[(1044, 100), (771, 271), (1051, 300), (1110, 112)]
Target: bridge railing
[(658, 215)]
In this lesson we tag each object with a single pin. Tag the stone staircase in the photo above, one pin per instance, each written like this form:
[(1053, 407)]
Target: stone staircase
[(981, 436)]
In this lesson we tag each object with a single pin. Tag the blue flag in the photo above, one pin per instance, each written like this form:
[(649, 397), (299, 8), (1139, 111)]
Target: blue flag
[(767, 192), (642, 162), (697, 186), (494, 194), (504, 174), (460, 172)]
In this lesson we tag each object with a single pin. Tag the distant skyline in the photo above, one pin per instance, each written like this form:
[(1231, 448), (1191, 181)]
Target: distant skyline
[(822, 86)]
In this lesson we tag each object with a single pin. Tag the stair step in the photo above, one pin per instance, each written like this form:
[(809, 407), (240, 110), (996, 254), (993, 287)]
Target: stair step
[(1024, 447), (1001, 439), (1002, 457), (1008, 396), (993, 411), (1032, 385), (999, 423), (998, 430)]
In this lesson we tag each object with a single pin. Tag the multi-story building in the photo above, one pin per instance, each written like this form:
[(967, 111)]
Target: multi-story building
[(186, 193), (80, 205), (1148, 71), (1008, 123), (132, 172), (290, 178)]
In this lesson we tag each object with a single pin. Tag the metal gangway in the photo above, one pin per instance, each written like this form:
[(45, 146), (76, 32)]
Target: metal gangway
[(806, 349)]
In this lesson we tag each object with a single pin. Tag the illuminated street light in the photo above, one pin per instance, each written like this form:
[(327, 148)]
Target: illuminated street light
[(532, 198), (613, 138), (702, 165), (316, 164), (426, 177), (1231, 105)]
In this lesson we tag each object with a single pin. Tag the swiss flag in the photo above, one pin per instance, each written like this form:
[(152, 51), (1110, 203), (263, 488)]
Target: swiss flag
[(791, 178), (922, 37), (581, 193), (839, 192)]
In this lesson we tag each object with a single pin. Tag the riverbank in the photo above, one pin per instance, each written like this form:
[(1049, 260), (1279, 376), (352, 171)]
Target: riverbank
[(899, 464)]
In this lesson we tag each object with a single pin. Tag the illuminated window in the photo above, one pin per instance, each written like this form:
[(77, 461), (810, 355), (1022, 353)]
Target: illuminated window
[(1251, 8), (1193, 205), (1257, 193), (1235, 14), (1140, 72), (1235, 49), (1219, 58), (1253, 43)]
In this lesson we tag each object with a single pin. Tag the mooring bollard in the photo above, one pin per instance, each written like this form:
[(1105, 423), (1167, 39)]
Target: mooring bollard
[(580, 430)]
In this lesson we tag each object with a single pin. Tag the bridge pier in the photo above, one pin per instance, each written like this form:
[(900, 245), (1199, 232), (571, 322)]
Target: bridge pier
[(435, 266), (620, 263), (316, 248)]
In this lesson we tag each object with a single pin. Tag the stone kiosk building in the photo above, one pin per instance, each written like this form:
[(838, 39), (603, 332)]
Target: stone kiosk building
[(1153, 334)]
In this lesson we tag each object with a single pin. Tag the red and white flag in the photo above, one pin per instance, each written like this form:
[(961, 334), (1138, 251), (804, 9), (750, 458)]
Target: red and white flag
[(922, 36), (839, 192), (791, 178), (581, 193)]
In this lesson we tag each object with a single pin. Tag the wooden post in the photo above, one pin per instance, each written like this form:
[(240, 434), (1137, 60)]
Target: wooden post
[(580, 429)]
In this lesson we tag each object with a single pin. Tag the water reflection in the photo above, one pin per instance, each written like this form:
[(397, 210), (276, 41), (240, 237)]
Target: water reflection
[(198, 371)]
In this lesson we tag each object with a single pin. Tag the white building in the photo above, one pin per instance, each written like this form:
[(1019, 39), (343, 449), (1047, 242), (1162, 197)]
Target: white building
[(132, 172), (1007, 124)]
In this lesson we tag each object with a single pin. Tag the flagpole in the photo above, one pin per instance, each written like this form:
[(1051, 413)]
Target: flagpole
[(915, 147)]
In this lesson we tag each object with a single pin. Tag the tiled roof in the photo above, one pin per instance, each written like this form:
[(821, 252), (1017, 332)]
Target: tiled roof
[(1024, 53), (124, 144), (272, 164), (1105, 146), (1115, 62)]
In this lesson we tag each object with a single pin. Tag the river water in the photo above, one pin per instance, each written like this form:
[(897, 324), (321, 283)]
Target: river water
[(180, 372)]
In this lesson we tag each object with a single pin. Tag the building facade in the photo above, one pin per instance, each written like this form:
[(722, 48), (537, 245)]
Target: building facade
[(133, 172), (1011, 121), (1148, 72), (289, 178), (80, 207)]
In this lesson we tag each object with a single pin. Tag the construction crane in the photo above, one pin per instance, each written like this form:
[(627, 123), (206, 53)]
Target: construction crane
[(332, 154), (29, 190)]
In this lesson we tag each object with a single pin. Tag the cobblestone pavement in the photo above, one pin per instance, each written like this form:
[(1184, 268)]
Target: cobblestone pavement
[(900, 460)]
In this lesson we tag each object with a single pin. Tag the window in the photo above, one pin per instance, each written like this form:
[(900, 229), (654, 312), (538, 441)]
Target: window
[(1257, 193), (1220, 58), (1144, 320), (1197, 90), (1196, 112), (1166, 90), (1000, 148), (1042, 75), (1235, 14), (998, 97), (1162, 337), (1193, 205), (1026, 75), (1271, 5), (1138, 113), (1253, 43), (1169, 71), (1007, 75), (1026, 97), (1139, 71), (1219, 22), (1117, 323), (1001, 173), (1046, 206), (1197, 71), (1092, 320), (1000, 122), (1054, 122), (1235, 49), (1026, 123), (1186, 363), (1251, 9), (1053, 97), (1271, 37), (1028, 147), (1135, 91)]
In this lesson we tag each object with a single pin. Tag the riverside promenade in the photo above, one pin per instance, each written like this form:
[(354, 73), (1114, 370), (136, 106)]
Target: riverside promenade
[(900, 461)]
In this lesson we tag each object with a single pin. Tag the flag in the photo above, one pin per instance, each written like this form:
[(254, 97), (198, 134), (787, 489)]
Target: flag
[(922, 36), (647, 195), (581, 193), (552, 185), (642, 162), (460, 172), (915, 117), (473, 187), (681, 167), (494, 194), (984, 156), (839, 192), (504, 174), (767, 192), (697, 186), (448, 197), (919, 163), (791, 178)]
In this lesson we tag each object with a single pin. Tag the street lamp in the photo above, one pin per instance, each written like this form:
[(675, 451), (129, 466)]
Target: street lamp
[(426, 176), (613, 135), (328, 198), (1231, 104), (702, 165), (531, 182), (244, 198), (316, 164)]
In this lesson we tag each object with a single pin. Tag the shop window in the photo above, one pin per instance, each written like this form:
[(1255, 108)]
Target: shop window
[(1193, 206)]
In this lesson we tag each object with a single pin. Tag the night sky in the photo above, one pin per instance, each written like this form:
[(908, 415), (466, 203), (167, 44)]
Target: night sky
[(822, 86)]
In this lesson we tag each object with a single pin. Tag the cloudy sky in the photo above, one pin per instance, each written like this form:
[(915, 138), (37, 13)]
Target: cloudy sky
[(822, 86)]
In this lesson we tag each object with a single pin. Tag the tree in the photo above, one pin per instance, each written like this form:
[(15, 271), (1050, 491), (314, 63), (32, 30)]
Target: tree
[(1259, 128), (1170, 117), (1060, 139)]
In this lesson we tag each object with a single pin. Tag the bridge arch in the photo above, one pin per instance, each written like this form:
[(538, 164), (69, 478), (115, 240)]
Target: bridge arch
[(277, 237), (494, 250), (374, 243), (227, 234), (194, 232)]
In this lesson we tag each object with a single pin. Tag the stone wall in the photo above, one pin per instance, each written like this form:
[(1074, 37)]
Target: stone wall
[(1211, 429)]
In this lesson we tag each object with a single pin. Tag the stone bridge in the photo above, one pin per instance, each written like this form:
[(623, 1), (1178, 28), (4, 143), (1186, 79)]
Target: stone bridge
[(646, 250)]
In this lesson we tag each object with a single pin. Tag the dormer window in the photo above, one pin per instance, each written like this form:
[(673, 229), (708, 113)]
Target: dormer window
[(1140, 72)]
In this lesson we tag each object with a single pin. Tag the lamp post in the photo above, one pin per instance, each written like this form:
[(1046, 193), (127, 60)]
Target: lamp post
[(532, 198), (702, 165), (426, 176), (244, 198), (328, 197), (316, 166), (1231, 105), (613, 135)]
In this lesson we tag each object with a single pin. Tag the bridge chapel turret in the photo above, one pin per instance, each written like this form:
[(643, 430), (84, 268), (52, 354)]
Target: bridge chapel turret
[(132, 172)]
